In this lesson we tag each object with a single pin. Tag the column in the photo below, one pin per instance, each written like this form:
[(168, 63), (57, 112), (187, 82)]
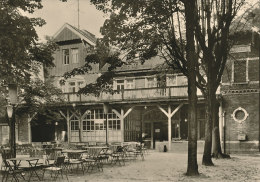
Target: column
[(221, 134), (152, 129), (122, 125)]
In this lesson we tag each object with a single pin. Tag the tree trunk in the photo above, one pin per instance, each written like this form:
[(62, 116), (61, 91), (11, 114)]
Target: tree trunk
[(216, 144), (206, 160), (192, 169)]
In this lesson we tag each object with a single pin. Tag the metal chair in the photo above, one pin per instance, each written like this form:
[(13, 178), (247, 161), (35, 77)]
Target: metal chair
[(57, 168), (13, 171), (118, 156), (75, 160)]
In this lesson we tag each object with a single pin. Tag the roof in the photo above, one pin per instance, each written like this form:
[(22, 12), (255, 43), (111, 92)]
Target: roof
[(150, 64), (83, 34)]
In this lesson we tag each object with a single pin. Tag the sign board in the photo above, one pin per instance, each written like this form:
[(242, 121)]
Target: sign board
[(100, 121), (241, 137), (157, 130), (240, 48)]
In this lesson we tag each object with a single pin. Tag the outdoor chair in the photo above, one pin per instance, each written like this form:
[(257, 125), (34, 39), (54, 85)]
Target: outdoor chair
[(57, 169), (92, 161), (39, 154), (75, 162), (11, 170), (139, 151), (133, 151), (4, 168), (51, 156), (118, 156)]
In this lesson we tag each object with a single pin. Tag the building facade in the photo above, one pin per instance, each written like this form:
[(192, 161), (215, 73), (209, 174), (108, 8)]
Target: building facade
[(145, 108), (240, 97)]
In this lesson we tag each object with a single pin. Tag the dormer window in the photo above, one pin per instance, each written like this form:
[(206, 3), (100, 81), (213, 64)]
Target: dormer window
[(66, 56)]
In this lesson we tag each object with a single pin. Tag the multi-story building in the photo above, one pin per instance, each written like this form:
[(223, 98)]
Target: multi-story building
[(147, 106), (143, 107), (240, 96)]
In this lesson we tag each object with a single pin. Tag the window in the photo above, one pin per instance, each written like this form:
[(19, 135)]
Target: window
[(4, 134), (65, 56), (95, 120), (151, 82), (113, 122), (171, 80), (130, 84), (74, 125), (75, 55), (72, 87), (240, 71), (120, 84)]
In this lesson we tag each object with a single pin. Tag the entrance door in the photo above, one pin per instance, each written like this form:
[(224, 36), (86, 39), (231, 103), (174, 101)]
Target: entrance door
[(160, 132)]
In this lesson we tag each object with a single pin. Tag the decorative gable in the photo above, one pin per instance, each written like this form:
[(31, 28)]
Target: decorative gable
[(70, 33), (66, 35)]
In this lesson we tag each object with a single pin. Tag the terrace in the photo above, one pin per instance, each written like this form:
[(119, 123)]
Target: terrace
[(133, 94)]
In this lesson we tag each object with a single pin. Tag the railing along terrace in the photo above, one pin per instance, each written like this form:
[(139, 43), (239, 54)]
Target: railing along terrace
[(132, 94)]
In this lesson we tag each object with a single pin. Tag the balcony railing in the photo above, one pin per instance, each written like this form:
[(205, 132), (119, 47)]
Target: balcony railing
[(132, 94)]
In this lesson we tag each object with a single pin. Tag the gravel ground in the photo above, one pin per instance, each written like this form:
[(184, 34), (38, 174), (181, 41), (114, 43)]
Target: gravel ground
[(162, 167), (169, 166)]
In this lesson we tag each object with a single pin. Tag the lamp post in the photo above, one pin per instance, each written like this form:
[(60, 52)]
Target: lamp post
[(12, 92), (106, 107)]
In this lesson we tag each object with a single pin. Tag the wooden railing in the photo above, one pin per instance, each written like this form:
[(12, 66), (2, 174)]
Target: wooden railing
[(132, 94)]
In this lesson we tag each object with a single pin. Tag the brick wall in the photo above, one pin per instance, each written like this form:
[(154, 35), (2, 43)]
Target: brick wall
[(250, 127)]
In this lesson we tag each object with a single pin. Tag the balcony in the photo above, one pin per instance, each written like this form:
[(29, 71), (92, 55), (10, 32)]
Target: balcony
[(133, 95)]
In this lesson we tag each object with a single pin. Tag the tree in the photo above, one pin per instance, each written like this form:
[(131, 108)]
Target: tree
[(19, 50), (192, 94), (144, 29)]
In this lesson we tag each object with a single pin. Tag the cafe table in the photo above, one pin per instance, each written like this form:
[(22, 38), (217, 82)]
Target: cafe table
[(74, 153), (96, 150), (32, 165)]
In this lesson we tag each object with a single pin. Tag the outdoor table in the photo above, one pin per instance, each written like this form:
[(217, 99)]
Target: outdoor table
[(47, 146), (74, 153), (96, 150), (32, 161)]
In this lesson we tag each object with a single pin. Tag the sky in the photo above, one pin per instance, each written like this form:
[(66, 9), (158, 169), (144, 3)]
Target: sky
[(57, 13)]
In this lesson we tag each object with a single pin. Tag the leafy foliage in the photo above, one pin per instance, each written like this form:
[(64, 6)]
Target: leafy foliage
[(18, 41), (21, 54)]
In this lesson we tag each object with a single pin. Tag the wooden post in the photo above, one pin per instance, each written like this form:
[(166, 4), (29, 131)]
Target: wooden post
[(68, 125), (221, 125), (122, 116), (29, 129), (169, 115), (80, 127), (122, 125), (152, 129), (169, 128)]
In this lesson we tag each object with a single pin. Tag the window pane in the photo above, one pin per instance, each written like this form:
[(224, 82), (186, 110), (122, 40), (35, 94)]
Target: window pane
[(65, 56), (130, 84), (75, 55)]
